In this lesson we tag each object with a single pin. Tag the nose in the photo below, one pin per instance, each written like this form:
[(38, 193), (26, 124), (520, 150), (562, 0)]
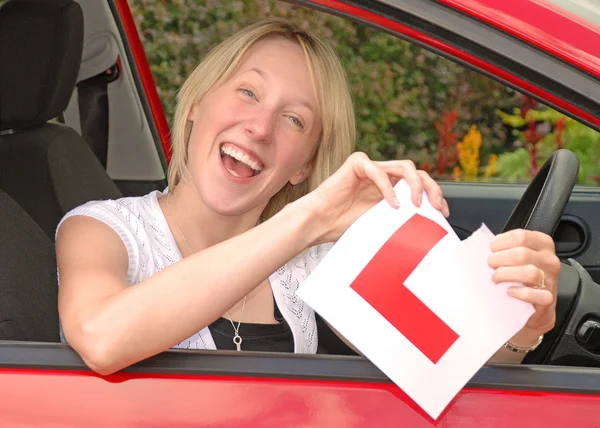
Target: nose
[(260, 125)]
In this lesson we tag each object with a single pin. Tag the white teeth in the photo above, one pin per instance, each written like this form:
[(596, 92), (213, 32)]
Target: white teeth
[(240, 157)]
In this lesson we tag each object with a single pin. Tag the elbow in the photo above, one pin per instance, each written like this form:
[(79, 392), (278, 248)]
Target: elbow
[(96, 349), (99, 365)]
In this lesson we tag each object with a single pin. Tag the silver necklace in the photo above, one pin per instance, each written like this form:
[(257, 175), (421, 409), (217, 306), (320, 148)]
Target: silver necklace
[(237, 339)]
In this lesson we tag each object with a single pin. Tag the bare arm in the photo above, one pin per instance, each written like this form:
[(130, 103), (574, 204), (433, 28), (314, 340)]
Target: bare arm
[(112, 325)]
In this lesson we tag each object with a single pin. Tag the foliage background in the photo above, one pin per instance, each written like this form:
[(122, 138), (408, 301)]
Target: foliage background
[(410, 102)]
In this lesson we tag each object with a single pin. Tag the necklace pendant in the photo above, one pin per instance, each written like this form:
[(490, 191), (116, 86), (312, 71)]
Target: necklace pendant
[(237, 339)]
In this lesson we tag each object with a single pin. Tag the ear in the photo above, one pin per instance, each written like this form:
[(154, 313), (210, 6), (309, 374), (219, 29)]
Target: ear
[(301, 175)]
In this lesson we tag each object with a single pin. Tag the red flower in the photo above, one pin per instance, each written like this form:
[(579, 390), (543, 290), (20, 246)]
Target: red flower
[(529, 104), (447, 155), (559, 129)]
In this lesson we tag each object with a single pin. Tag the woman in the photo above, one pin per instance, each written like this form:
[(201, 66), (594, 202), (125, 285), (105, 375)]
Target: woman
[(262, 180)]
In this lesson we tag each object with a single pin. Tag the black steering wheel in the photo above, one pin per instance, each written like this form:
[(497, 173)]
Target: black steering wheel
[(545, 199), (541, 208)]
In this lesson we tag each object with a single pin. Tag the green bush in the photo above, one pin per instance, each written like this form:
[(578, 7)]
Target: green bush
[(553, 130)]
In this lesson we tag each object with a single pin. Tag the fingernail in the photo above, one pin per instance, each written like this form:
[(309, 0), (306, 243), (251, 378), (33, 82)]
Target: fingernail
[(397, 202), (446, 208), (440, 202), (419, 200)]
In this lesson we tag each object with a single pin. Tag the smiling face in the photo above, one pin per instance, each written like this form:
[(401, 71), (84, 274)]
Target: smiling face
[(256, 131)]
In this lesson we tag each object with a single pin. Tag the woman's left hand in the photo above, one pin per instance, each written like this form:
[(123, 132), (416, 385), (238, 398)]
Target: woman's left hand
[(528, 257)]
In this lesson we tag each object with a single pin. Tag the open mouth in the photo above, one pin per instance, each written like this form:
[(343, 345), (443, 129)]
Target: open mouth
[(238, 163)]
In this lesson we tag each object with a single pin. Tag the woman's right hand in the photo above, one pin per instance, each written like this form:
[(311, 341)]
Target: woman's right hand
[(361, 183)]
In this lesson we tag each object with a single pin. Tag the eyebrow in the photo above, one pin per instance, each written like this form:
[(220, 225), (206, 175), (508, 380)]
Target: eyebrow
[(299, 100), (259, 71)]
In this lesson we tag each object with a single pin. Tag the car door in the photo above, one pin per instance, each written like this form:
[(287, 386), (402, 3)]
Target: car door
[(253, 390)]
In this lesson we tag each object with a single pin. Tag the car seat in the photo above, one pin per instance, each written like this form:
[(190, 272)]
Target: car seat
[(28, 278), (46, 167)]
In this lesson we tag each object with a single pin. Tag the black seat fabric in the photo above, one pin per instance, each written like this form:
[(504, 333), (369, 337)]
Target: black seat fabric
[(47, 168), (28, 290)]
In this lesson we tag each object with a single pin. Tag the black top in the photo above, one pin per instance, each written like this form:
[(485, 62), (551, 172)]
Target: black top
[(274, 337), (255, 337)]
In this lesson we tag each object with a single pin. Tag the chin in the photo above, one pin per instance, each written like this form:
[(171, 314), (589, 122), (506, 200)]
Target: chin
[(228, 206), (233, 210)]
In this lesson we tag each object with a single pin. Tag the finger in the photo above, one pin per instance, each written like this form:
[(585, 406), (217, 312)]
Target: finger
[(516, 256), (521, 256), (406, 169), (434, 191), (446, 209), (523, 238), (529, 274), (538, 298), (382, 181)]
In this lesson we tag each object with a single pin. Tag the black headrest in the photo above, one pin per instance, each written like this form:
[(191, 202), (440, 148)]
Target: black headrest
[(41, 43)]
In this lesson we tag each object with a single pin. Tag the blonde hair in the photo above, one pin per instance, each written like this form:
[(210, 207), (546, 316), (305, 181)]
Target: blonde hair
[(338, 135)]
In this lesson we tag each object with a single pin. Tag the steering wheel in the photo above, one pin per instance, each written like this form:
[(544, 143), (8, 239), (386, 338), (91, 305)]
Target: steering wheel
[(541, 208), (545, 199)]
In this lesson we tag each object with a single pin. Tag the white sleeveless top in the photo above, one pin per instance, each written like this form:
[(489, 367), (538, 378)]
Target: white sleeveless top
[(151, 247)]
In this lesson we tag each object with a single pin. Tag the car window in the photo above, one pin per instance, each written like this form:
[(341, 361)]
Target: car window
[(455, 123)]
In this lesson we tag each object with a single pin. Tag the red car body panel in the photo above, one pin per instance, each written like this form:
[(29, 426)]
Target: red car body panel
[(542, 24), (69, 399), (148, 83)]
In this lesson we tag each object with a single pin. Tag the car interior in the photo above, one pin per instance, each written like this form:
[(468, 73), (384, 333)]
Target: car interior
[(47, 168)]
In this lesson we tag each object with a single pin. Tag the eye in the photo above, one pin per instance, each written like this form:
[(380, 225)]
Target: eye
[(296, 121), (248, 93)]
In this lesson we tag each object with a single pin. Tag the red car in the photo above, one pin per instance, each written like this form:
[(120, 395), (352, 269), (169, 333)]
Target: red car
[(84, 61)]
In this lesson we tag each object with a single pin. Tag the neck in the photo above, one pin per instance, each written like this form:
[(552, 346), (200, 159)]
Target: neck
[(191, 220)]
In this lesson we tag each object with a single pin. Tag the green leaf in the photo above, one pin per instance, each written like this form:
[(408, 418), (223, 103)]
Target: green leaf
[(514, 120), (514, 166)]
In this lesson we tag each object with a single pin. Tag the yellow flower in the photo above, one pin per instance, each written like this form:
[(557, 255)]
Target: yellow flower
[(457, 173), (491, 168), (468, 153)]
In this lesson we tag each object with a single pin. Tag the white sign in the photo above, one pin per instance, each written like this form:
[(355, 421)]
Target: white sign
[(415, 300)]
